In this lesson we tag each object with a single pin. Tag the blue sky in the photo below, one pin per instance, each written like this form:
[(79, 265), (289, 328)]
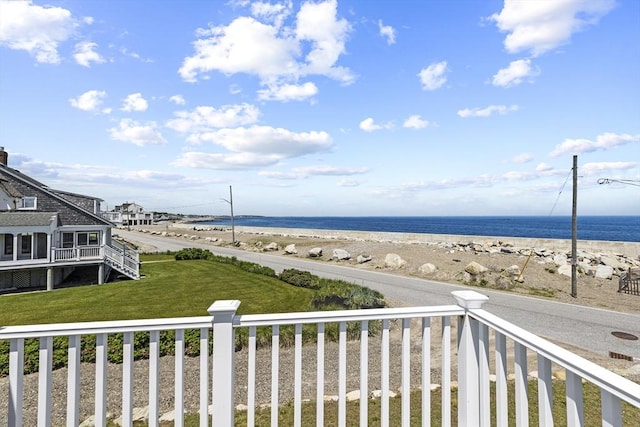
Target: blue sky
[(327, 107)]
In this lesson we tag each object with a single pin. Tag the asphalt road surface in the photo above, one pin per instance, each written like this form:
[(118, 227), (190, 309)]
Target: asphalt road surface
[(584, 327)]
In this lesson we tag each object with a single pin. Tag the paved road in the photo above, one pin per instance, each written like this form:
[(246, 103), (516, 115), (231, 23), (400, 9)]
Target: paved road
[(584, 327)]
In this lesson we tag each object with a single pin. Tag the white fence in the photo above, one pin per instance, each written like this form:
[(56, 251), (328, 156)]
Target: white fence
[(455, 340)]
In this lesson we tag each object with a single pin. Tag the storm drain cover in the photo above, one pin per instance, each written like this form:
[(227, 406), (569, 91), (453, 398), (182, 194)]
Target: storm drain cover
[(624, 335)]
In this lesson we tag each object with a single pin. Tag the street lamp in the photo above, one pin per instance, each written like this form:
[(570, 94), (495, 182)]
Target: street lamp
[(233, 229)]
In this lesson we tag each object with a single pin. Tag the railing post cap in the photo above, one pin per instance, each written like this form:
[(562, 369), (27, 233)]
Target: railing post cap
[(469, 299), (224, 306)]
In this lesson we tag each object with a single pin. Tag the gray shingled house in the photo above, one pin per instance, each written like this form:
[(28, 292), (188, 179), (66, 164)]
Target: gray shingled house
[(48, 235)]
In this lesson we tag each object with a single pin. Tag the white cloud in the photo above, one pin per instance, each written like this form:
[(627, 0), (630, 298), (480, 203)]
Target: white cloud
[(134, 102), (288, 92), (35, 29), (274, 53), (387, 32), (274, 13), (522, 158), (415, 122), (137, 133), (84, 54), (234, 161), (257, 146), (592, 169), (348, 182), (540, 26), (205, 118), (269, 141), (515, 73), (543, 167), (604, 141), (89, 101), (433, 77), (178, 100), (369, 125), (328, 171), (487, 111)]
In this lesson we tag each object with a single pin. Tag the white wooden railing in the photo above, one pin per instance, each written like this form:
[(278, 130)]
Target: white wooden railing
[(475, 328), (77, 253)]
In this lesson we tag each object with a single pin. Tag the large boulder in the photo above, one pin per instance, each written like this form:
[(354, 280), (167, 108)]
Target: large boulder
[(604, 272), (273, 246), (394, 261), (475, 268), (340, 255), (290, 249), (565, 270), (361, 259), (315, 252), (427, 268)]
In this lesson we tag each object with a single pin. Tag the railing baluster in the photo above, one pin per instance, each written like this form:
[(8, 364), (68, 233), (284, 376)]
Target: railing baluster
[(179, 379), (297, 383), (16, 381), (251, 378), (483, 368), (611, 409), (364, 373), (342, 376), (384, 375), (320, 376), (275, 368), (101, 381), (575, 412), (154, 374), (44, 382), (406, 372), (502, 409), (426, 372), (73, 381), (521, 393), (127, 380), (204, 376), (545, 392), (446, 371)]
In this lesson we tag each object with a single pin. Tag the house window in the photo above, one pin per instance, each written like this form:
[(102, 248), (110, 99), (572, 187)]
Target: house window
[(25, 246), (8, 244), (28, 203), (67, 240), (88, 239)]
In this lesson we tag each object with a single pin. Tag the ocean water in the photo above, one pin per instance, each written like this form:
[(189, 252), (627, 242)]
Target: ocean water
[(606, 228)]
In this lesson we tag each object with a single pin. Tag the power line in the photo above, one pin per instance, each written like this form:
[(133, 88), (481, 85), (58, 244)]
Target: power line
[(620, 181)]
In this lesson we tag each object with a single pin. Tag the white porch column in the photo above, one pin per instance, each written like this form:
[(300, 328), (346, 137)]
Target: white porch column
[(15, 247), (50, 278), (49, 249), (101, 274), (223, 313), (468, 359)]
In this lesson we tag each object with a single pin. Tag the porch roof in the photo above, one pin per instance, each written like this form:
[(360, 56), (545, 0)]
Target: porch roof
[(29, 219)]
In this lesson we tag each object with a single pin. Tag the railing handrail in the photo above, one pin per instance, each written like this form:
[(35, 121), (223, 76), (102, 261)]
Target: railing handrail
[(104, 327), (273, 319), (615, 384)]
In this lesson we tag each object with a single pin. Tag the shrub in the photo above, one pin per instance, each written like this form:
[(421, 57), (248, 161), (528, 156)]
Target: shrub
[(302, 279), (193, 253)]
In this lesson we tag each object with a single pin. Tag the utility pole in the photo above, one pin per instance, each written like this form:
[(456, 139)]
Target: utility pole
[(574, 231), (233, 229)]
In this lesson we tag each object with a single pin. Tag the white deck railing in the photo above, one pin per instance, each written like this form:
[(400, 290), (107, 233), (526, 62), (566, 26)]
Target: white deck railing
[(77, 253), (472, 357)]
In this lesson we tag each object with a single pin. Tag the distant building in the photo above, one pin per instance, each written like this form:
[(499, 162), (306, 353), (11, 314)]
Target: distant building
[(128, 214), (47, 235)]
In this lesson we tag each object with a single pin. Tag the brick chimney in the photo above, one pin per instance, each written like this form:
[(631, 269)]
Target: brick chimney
[(4, 156)]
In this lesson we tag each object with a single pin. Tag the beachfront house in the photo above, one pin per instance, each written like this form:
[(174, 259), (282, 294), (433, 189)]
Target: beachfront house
[(48, 236), (129, 214)]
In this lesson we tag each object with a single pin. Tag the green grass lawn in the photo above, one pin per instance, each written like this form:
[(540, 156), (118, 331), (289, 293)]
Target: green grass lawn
[(170, 289)]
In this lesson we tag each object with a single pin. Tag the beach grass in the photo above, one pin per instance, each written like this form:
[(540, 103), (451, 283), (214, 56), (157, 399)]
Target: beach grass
[(591, 396)]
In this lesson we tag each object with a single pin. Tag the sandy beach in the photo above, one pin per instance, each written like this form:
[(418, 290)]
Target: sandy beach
[(528, 266)]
